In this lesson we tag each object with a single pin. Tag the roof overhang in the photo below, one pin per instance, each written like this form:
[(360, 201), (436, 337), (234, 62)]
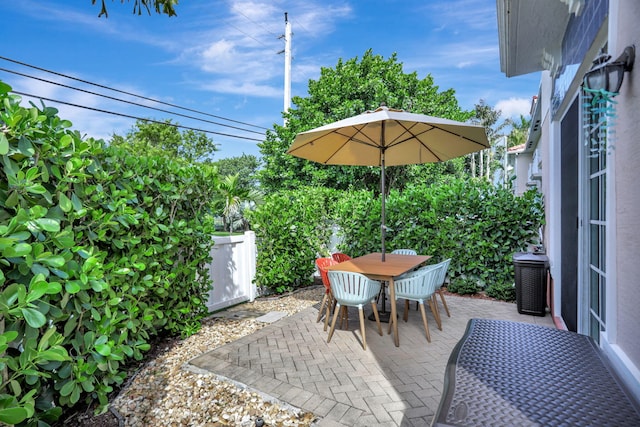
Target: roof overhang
[(534, 128), (531, 32)]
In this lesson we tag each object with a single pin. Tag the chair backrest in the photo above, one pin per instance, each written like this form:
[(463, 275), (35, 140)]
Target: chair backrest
[(404, 252), (353, 289), (419, 284), (340, 257), (444, 267), (322, 264)]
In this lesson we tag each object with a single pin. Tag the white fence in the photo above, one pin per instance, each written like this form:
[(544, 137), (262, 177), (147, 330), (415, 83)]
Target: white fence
[(232, 270)]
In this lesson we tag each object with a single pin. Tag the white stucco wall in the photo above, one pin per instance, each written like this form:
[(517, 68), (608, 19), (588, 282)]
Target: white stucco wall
[(624, 30)]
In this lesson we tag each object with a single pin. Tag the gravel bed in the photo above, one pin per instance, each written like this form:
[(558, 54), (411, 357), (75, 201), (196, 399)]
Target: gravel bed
[(163, 393)]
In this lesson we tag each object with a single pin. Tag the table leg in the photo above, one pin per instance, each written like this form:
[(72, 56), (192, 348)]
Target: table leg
[(383, 314), (394, 318)]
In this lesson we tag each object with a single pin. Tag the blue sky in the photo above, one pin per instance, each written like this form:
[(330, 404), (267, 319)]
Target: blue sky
[(222, 57)]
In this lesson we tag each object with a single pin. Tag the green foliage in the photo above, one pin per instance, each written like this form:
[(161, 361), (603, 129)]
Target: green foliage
[(475, 224), (472, 222), (463, 286), (488, 117), (352, 87), (502, 291), (245, 166), (165, 139), (100, 252), (519, 131), (358, 216), (235, 201), (292, 229), (166, 7)]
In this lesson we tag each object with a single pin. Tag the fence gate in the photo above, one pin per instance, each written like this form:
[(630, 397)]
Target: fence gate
[(232, 270)]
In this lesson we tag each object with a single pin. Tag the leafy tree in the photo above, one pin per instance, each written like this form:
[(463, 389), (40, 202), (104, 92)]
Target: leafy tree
[(160, 6), (437, 172), (245, 166), (352, 87), (166, 139)]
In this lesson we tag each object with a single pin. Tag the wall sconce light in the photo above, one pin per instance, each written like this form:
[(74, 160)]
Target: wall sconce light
[(608, 76)]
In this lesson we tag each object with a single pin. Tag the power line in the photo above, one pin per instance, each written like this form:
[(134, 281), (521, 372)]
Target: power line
[(136, 117), (129, 93), (257, 23), (302, 26), (247, 34), (127, 102)]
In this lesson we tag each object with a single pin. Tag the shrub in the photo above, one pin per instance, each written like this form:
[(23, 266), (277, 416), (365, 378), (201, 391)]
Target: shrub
[(292, 229), (463, 286), (100, 252), (502, 291), (475, 224)]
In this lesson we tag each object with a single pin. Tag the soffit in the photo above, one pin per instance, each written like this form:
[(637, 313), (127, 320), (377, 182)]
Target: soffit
[(530, 34)]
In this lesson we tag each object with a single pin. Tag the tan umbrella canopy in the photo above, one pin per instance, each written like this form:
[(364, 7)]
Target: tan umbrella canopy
[(388, 137)]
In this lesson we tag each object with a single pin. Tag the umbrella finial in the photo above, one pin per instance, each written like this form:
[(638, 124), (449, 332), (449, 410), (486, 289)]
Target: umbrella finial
[(382, 107)]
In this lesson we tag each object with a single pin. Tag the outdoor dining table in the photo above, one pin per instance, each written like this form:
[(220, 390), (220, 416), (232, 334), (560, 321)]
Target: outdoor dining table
[(372, 266)]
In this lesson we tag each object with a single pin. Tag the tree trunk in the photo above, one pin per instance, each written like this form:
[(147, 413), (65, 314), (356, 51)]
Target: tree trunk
[(489, 158), (473, 165)]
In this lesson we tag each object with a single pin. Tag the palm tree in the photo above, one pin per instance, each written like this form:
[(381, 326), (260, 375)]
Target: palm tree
[(488, 117), (235, 199), (519, 131)]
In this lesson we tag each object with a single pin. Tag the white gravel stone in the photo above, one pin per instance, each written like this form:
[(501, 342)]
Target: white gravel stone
[(162, 393)]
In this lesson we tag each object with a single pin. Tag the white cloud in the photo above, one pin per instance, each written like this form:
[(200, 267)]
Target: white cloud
[(239, 53), (237, 40), (301, 73), (474, 14), (243, 88), (514, 107)]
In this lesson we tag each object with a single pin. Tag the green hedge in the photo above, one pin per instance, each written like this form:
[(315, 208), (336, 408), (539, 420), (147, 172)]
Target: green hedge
[(100, 251), (472, 222), (292, 229)]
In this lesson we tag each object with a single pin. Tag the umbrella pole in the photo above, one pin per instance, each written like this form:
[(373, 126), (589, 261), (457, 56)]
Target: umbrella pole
[(383, 227)]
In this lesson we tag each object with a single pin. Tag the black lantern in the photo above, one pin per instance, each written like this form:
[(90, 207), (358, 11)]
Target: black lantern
[(608, 76)]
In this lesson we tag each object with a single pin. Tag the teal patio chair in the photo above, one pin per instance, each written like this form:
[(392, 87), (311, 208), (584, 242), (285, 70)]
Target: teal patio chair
[(440, 281), (404, 252), (353, 290), (383, 293), (420, 286)]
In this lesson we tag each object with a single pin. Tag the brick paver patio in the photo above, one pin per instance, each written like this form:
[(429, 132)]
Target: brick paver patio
[(291, 362)]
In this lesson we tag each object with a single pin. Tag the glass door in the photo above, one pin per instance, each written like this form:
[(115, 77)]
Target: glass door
[(595, 125)]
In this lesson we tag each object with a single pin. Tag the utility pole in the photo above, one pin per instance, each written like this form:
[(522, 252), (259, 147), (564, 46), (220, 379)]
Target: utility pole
[(287, 64)]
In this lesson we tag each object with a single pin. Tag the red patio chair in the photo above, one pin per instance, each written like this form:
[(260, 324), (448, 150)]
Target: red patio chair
[(340, 257), (327, 300)]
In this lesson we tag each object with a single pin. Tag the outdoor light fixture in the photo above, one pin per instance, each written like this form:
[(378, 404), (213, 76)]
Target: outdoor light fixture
[(607, 76)]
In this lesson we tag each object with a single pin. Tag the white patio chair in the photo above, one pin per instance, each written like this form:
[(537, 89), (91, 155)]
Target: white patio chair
[(419, 286), (404, 252), (353, 290), (440, 281)]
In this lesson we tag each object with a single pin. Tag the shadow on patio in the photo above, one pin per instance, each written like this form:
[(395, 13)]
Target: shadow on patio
[(340, 382)]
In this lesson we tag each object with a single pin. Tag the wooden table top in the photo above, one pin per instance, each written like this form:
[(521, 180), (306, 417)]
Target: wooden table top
[(372, 265)]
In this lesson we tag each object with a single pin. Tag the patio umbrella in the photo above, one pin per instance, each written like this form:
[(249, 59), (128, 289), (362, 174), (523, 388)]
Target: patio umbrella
[(388, 137)]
